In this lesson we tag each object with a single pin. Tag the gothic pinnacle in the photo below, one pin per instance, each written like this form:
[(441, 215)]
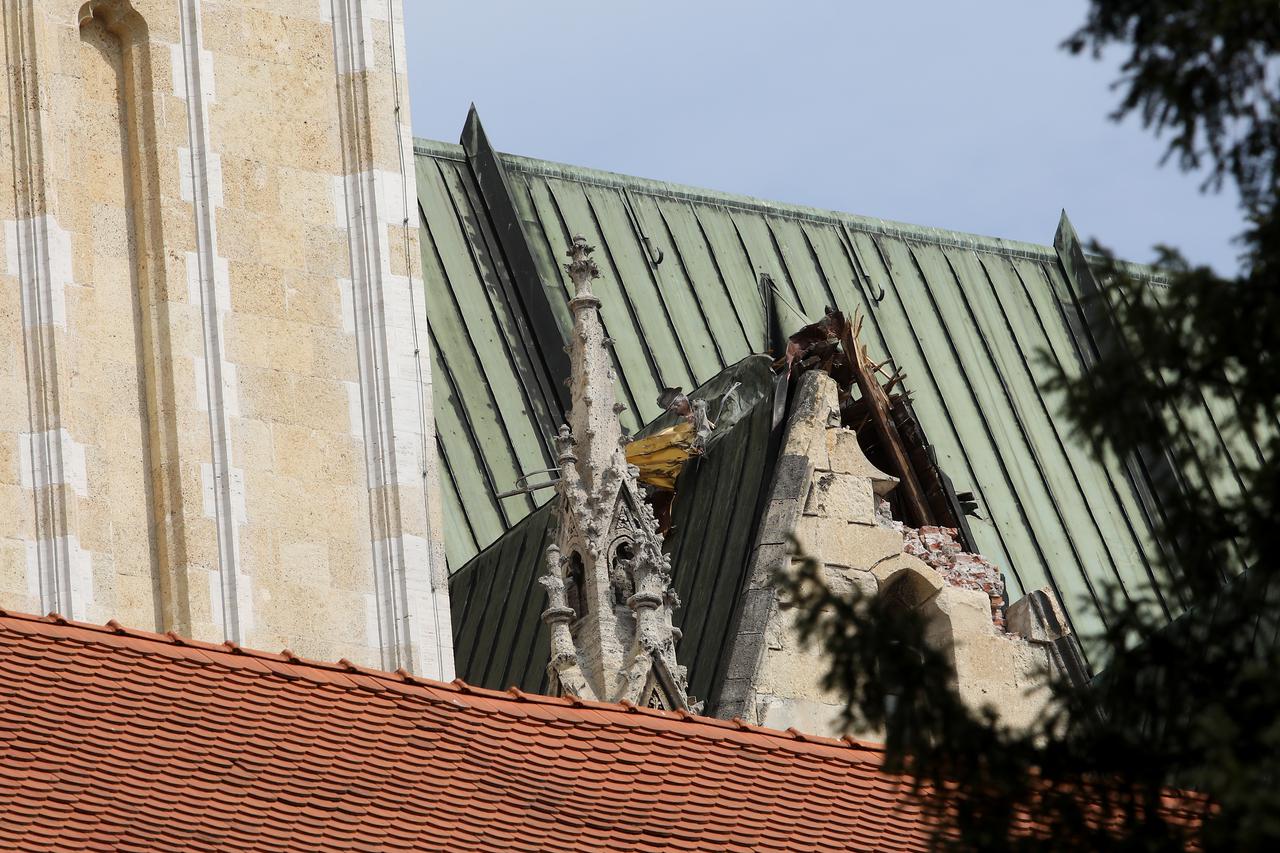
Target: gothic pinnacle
[(609, 546)]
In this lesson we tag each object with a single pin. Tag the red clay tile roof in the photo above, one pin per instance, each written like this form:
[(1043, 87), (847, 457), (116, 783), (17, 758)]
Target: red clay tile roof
[(113, 739)]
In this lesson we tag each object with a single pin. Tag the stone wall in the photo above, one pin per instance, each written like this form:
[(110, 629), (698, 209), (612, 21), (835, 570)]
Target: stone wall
[(827, 494), (215, 412)]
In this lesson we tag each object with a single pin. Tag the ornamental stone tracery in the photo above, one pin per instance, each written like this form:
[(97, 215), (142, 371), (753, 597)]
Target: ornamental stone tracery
[(610, 600)]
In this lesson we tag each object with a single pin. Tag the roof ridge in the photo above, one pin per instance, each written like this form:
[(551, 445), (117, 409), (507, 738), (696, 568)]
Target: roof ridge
[(909, 231), (112, 630)]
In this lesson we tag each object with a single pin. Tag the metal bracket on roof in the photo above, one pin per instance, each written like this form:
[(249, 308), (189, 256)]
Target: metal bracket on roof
[(855, 263), (648, 247), (522, 483)]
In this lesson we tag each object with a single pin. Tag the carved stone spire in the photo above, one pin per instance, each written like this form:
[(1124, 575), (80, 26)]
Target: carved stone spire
[(608, 583)]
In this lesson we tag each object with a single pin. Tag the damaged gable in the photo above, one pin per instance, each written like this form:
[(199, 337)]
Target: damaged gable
[(875, 404), (829, 501)]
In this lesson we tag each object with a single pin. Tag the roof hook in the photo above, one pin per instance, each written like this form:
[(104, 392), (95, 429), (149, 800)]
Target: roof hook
[(859, 273), (650, 249), (524, 487)]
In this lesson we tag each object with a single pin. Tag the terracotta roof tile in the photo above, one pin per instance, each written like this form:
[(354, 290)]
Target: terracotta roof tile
[(115, 739)]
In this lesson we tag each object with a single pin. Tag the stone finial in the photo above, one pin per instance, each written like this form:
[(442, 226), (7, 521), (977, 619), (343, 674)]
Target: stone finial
[(564, 446), (581, 268), (553, 582)]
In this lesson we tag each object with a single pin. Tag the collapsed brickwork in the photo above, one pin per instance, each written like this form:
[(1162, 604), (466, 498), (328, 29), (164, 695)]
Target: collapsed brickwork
[(831, 499), (939, 548)]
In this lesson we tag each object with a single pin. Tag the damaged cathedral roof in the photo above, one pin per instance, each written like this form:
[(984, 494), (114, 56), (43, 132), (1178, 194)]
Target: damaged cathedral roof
[(699, 281), (499, 638)]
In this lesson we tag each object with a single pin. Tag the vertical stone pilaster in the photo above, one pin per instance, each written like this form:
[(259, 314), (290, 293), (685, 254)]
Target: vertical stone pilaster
[(201, 176), (38, 261), (394, 392)]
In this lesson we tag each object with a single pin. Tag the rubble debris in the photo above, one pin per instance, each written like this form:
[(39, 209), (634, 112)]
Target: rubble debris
[(694, 412), (1038, 618), (876, 400), (939, 549), (924, 506), (880, 413)]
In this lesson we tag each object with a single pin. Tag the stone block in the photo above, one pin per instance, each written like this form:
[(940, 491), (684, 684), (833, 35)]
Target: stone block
[(779, 523), (757, 604), (870, 544), (925, 581), (253, 445), (791, 476), (306, 196), (817, 452), (804, 715), (746, 657), (846, 496), (819, 537), (962, 615), (786, 669), (1004, 674), (765, 560), (849, 581), (846, 457), (815, 397), (134, 600), (1038, 617), (306, 563), (733, 699), (840, 543)]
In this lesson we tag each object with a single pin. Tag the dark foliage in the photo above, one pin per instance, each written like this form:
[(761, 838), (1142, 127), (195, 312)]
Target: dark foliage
[(1195, 704)]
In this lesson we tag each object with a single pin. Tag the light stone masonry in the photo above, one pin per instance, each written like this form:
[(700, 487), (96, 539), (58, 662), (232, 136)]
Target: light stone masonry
[(215, 410)]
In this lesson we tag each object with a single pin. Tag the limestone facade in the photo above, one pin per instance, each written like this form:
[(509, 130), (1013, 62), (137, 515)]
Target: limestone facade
[(826, 495), (215, 405)]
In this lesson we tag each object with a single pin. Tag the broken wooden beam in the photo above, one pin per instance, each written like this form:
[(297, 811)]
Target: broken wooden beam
[(915, 506)]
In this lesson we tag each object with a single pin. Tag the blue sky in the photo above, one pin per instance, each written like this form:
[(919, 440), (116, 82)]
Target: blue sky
[(956, 115)]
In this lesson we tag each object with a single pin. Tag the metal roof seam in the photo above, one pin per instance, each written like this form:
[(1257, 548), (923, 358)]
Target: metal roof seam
[(1107, 473), (506, 346), (1061, 445)]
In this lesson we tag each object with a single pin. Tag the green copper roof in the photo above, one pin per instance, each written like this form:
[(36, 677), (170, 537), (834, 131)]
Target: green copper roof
[(975, 322)]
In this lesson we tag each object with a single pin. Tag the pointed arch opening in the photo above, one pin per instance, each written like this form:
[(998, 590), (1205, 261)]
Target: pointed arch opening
[(575, 586), (622, 582)]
